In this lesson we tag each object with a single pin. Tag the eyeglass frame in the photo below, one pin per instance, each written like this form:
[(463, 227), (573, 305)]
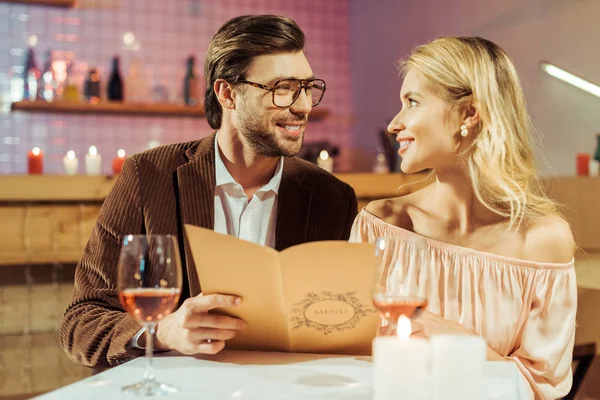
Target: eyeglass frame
[(303, 85)]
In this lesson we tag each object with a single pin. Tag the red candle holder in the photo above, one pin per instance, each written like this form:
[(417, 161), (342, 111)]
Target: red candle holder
[(118, 161), (35, 161), (583, 164)]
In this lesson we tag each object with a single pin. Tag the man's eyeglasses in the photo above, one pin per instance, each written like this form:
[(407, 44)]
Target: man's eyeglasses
[(286, 91)]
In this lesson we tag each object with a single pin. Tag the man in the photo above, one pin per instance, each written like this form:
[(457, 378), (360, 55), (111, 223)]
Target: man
[(241, 181)]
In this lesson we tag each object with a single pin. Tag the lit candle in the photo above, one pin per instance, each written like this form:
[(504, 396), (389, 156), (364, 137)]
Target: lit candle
[(401, 365), (325, 161), (35, 161), (93, 162), (70, 162), (152, 143), (457, 367), (117, 164)]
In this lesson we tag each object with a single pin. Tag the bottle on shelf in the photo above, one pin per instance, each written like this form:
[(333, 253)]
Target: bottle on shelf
[(31, 75), (114, 89), (382, 166), (71, 88), (159, 92), (91, 87), (136, 89), (594, 167), (190, 83), (48, 84)]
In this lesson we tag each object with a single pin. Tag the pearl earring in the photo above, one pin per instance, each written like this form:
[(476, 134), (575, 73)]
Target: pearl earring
[(464, 131)]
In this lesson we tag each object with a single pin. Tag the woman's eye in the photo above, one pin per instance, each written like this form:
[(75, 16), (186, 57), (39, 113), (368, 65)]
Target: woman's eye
[(412, 103)]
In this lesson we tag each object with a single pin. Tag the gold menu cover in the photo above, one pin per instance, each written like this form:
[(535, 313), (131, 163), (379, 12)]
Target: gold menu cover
[(313, 297)]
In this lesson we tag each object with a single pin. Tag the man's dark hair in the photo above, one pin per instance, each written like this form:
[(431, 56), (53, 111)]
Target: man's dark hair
[(235, 45)]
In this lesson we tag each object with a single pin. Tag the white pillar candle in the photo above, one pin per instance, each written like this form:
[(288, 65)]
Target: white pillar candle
[(457, 363), (594, 167), (401, 365), (93, 162), (70, 162), (325, 161)]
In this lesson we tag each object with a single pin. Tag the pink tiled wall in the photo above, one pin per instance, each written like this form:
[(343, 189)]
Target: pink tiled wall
[(166, 33)]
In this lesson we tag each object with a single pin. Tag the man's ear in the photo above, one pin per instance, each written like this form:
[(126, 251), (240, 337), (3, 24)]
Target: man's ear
[(224, 93)]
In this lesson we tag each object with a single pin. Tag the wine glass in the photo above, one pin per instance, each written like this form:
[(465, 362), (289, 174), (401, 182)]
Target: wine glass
[(399, 286), (149, 284)]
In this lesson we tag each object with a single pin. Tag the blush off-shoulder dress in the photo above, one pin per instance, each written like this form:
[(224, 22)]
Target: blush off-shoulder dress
[(524, 310)]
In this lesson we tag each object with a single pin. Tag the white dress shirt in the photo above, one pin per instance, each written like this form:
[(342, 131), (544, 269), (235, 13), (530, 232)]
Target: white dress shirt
[(252, 220)]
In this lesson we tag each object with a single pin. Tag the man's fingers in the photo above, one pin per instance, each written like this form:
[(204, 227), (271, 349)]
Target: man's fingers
[(206, 320), (210, 348), (203, 303), (198, 336)]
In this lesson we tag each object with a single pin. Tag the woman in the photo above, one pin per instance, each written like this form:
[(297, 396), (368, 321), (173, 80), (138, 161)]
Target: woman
[(498, 256)]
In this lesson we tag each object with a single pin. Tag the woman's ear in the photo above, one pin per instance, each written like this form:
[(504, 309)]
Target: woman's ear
[(471, 116), (224, 93)]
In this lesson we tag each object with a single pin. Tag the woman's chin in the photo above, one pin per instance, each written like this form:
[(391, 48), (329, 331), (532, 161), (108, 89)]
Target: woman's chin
[(408, 168)]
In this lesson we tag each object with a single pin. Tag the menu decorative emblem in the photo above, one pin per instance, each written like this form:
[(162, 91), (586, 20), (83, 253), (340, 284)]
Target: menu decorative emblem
[(328, 312)]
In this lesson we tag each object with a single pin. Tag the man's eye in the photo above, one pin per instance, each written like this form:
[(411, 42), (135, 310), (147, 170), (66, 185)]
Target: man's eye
[(284, 87)]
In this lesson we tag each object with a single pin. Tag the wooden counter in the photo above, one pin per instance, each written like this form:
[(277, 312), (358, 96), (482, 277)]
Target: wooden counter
[(48, 219)]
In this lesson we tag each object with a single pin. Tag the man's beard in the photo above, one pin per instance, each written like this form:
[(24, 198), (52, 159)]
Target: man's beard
[(265, 142)]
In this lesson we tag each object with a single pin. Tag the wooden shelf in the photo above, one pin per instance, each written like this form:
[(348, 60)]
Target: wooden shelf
[(51, 3), (143, 109), (140, 109)]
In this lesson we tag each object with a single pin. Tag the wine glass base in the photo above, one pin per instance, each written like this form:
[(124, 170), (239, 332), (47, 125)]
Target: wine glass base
[(149, 388)]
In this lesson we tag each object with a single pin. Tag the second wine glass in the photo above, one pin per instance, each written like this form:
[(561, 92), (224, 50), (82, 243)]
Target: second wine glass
[(398, 285)]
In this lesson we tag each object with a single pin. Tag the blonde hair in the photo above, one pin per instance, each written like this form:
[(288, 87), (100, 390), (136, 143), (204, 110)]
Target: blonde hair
[(500, 161)]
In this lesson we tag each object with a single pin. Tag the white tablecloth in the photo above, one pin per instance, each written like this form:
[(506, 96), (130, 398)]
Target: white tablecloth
[(277, 376)]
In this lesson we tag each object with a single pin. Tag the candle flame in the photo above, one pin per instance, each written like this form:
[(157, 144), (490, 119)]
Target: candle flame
[(71, 155), (93, 150), (36, 151), (404, 328), (121, 153), (324, 155)]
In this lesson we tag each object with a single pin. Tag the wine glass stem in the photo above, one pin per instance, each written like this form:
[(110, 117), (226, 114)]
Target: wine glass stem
[(149, 372)]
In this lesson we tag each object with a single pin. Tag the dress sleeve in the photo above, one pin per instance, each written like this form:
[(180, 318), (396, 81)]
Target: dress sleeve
[(361, 231), (545, 351)]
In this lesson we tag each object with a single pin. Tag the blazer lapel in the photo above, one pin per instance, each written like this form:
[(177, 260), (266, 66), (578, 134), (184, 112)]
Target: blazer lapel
[(196, 188), (293, 206)]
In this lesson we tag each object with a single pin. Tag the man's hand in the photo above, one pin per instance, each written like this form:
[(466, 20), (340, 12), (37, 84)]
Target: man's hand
[(192, 330)]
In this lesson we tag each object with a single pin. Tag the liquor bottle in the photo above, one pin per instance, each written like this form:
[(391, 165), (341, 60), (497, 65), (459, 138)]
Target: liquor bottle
[(159, 92), (91, 87), (594, 166), (71, 89), (114, 89), (31, 75), (47, 84), (190, 83)]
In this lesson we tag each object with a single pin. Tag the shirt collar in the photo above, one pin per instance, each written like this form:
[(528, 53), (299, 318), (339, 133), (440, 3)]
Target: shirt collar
[(223, 177)]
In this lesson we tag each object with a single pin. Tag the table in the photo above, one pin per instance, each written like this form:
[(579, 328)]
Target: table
[(259, 375)]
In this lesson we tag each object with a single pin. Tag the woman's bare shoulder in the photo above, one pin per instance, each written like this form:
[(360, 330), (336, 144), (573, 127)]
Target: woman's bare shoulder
[(549, 239), (395, 210)]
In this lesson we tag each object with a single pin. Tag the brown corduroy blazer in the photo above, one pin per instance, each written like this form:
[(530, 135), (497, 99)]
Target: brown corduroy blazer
[(158, 192)]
